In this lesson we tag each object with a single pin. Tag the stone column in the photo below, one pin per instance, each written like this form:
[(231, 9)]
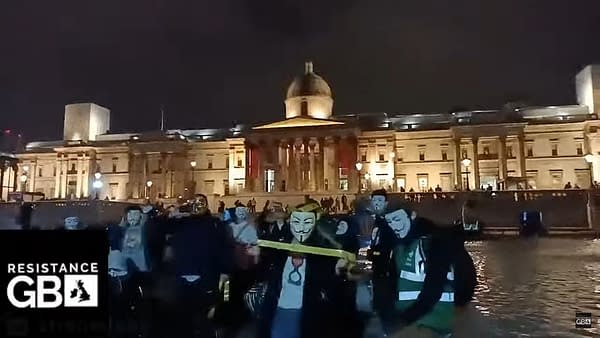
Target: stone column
[(457, 164), (58, 166), (502, 170), (79, 167), (298, 164), (164, 171), (65, 177), (2, 170), (15, 169), (282, 178), (32, 176), (248, 182), (86, 164), (522, 166), (312, 182), (475, 161), (145, 191), (262, 151)]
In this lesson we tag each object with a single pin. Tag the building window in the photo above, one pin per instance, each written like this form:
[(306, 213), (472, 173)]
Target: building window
[(421, 155), (423, 181), (73, 169), (401, 183), (554, 149), (529, 150), (269, 180), (580, 149), (209, 163), (113, 189), (381, 156), (239, 162), (557, 179), (40, 172), (54, 171), (226, 187), (486, 150), (444, 155), (400, 156), (464, 153), (509, 152), (382, 183), (227, 162), (114, 167), (363, 155)]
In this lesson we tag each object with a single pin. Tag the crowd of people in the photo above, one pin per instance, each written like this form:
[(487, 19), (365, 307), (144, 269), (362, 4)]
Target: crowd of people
[(183, 271)]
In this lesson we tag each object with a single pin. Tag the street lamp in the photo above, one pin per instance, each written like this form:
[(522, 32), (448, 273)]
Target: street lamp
[(589, 158), (359, 166), (23, 180), (193, 165), (466, 162), (97, 184), (148, 186)]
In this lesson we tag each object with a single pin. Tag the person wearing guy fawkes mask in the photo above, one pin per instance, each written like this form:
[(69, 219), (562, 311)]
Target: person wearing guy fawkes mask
[(202, 255), (301, 288), (428, 274)]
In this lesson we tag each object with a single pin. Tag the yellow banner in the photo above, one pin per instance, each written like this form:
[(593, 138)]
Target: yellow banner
[(350, 257)]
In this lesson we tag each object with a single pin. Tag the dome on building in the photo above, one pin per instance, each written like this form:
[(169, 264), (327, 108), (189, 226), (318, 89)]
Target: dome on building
[(308, 84)]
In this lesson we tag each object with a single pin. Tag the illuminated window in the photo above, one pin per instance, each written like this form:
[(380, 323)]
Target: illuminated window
[(381, 156), (269, 180), (486, 150), (363, 155)]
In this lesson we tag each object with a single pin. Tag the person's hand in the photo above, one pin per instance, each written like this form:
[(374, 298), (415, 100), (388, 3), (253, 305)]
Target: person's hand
[(341, 266), (211, 313), (253, 250)]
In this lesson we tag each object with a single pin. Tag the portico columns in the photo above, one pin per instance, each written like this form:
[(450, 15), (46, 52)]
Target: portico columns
[(522, 168), (502, 170), (312, 178), (298, 164), (58, 171), (476, 180), (457, 164)]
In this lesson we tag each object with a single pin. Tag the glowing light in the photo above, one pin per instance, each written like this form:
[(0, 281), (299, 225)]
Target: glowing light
[(367, 176), (136, 137), (25, 168), (149, 184), (193, 164), (466, 162), (97, 184), (589, 158), (23, 178), (358, 166), (392, 155), (97, 176)]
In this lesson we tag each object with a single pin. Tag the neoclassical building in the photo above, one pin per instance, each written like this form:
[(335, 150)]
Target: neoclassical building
[(314, 151)]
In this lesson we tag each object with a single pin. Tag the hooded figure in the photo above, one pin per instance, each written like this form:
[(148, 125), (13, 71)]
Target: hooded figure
[(301, 288), (428, 275)]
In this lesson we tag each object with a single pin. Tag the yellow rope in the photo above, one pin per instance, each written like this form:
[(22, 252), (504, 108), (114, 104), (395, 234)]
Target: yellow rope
[(348, 256)]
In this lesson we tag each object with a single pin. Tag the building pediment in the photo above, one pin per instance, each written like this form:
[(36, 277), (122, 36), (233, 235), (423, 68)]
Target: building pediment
[(300, 122)]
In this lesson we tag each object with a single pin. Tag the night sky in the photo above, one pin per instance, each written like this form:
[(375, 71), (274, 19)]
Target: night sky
[(213, 62)]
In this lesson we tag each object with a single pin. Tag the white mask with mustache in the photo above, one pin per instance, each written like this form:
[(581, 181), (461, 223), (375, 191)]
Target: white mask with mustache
[(302, 224)]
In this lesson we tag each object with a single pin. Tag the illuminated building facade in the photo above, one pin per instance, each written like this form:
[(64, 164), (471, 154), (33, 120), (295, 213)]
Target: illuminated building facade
[(313, 151)]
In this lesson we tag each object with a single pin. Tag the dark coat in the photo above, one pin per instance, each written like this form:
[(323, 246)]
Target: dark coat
[(445, 248), (320, 315)]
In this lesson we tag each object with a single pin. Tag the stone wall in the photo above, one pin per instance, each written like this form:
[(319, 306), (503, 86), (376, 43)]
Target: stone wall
[(51, 214)]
